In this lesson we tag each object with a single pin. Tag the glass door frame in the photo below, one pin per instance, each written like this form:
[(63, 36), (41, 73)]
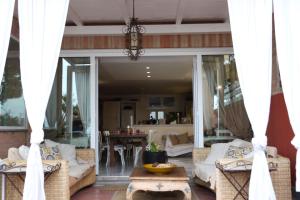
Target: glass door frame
[(96, 54)]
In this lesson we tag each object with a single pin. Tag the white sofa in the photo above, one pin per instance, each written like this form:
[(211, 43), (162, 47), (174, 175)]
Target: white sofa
[(162, 139), (179, 149)]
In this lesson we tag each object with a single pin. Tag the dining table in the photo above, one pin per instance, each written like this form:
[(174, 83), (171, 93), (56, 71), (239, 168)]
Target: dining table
[(124, 139)]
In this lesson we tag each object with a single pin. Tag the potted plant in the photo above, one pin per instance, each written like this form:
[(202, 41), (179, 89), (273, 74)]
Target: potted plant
[(153, 154)]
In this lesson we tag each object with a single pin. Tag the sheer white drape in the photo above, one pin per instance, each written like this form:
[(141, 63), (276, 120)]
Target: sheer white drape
[(83, 96), (6, 16), (251, 28), (287, 30), (208, 95), (41, 29)]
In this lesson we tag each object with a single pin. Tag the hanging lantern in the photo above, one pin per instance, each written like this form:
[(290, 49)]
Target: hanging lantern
[(133, 38)]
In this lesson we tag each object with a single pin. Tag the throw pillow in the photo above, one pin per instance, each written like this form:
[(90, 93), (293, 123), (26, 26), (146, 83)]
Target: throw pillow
[(13, 154), (183, 138), (238, 152), (50, 153), (173, 139), (50, 143), (191, 139), (68, 152), (24, 151)]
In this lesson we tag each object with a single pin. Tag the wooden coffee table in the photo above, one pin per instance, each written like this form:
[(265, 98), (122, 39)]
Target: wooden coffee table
[(140, 179)]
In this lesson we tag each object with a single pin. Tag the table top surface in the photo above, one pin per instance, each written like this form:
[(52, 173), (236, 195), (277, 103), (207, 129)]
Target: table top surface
[(177, 174)]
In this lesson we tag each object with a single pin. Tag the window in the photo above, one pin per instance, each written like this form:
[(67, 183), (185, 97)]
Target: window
[(12, 106), (67, 117)]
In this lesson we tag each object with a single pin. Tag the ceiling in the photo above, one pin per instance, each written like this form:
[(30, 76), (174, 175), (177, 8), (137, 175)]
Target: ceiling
[(116, 12), (99, 12), (169, 75)]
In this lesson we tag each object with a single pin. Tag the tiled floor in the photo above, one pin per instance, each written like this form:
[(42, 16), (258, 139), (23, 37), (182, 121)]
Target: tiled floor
[(100, 193), (117, 170)]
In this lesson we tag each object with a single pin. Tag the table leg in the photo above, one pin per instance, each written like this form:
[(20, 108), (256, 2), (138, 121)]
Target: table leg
[(3, 187)]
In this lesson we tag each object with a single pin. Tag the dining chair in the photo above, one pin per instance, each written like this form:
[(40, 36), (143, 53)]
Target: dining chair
[(118, 148), (137, 149)]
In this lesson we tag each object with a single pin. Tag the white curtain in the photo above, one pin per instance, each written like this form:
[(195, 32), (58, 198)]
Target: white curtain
[(208, 95), (6, 16), (42, 25), (83, 95), (287, 30), (251, 28)]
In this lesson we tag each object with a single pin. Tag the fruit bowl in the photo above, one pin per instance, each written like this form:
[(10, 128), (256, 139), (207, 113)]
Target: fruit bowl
[(161, 168)]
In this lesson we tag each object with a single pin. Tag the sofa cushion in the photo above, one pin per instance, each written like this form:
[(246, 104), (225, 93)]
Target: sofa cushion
[(50, 143), (50, 153), (183, 138), (68, 152), (13, 154)]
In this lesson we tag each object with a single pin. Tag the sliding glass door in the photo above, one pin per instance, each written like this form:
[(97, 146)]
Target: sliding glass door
[(68, 118)]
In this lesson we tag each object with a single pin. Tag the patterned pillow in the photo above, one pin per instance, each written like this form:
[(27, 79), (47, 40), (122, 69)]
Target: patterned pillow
[(238, 152), (50, 153)]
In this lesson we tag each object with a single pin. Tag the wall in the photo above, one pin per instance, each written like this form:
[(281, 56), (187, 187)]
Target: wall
[(280, 132), (142, 104), (212, 40)]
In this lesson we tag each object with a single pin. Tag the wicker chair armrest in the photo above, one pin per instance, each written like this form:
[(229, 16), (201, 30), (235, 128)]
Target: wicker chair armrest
[(200, 154), (86, 154)]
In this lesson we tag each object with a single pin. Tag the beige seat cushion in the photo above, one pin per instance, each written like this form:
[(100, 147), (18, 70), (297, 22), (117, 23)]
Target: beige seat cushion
[(79, 171)]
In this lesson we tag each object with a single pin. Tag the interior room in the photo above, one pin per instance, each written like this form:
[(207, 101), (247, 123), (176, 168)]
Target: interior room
[(150, 96)]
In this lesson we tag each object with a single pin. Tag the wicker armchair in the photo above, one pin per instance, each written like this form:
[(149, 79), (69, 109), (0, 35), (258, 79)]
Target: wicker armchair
[(57, 185), (281, 178)]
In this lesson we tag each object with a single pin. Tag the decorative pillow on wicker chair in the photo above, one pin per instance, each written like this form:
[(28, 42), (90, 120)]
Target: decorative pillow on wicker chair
[(50, 153), (183, 138), (173, 139), (238, 152)]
